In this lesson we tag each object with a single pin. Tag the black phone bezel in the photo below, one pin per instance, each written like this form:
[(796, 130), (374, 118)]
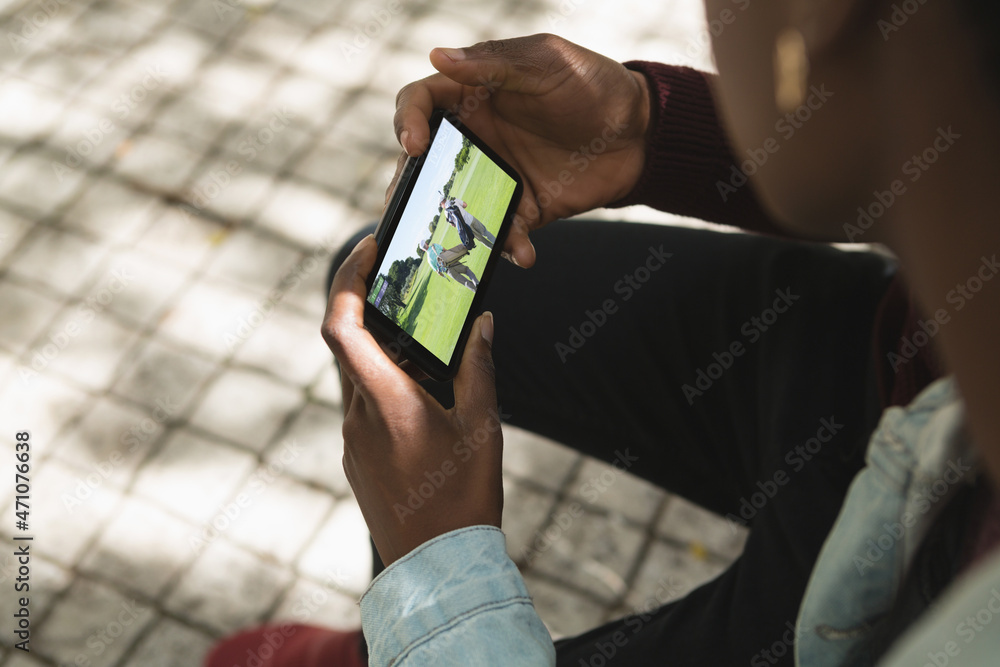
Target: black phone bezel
[(380, 325)]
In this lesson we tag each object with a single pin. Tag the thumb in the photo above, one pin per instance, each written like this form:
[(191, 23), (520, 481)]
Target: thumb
[(475, 384), (518, 65)]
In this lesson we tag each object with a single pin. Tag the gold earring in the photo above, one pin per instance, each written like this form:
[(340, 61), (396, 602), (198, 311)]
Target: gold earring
[(791, 70)]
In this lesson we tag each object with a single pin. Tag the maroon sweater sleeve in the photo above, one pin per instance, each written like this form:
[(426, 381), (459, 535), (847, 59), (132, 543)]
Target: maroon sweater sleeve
[(687, 154)]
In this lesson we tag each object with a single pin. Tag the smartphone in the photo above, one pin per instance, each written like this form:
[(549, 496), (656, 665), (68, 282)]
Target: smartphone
[(439, 239)]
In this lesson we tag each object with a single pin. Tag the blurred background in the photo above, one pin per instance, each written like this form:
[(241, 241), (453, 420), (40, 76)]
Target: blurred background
[(174, 176)]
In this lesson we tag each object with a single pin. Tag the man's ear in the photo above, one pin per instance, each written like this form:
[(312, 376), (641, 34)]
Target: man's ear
[(828, 25)]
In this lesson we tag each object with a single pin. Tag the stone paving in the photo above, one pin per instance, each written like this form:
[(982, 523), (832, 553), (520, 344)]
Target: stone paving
[(173, 178)]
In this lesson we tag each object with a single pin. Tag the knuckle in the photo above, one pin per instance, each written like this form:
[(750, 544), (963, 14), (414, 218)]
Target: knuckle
[(494, 47)]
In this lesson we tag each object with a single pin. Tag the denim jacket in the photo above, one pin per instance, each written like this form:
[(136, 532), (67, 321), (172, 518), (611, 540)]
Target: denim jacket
[(459, 600)]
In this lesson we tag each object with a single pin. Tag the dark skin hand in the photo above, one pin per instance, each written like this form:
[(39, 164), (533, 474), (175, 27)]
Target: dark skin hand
[(537, 101), (397, 437), (540, 102)]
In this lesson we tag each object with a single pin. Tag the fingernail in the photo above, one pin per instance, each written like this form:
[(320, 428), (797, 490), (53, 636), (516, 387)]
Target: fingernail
[(402, 138), (363, 241), (455, 55), (486, 327)]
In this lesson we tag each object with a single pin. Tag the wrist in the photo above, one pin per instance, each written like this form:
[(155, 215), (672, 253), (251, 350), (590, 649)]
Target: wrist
[(640, 128)]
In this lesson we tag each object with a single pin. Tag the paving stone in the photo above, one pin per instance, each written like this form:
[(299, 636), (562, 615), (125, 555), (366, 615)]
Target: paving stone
[(308, 602), (612, 489), (227, 588), (230, 188), (688, 523), (316, 434), (525, 513), (90, 356), (92, 623), (288, 345), (340, 556), (177, 51), (306, 214), (280, 514), (327, 387), (243, 79), (246, 407), (594, 553), (342, 167), (308, 101), (205, 119), (27, 313), (153, 283), (337, 55), (13, 228), (38, 402), (182, 236), (171, 644), (306, 285), (23, 660), (368, 119), (46, 581), (141, 548), (27, 111), (531, 457), (111, 438), (31, 182), (216, 19), (210, 316), (112, 209), (192, 476), (668, 573), (73, 508), (565, 613), (251, 260), (272, 36), (58, 259), (164, 378), (270, 139), (157, 163)]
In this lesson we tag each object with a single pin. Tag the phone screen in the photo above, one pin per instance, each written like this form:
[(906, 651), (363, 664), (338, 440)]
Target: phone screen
[(432, 267)]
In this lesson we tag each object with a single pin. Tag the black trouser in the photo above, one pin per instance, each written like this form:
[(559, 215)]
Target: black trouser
[(738, 370)]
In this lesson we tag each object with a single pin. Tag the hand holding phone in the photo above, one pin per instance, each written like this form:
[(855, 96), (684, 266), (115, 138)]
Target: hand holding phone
[(396, 434), (438, 240)]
